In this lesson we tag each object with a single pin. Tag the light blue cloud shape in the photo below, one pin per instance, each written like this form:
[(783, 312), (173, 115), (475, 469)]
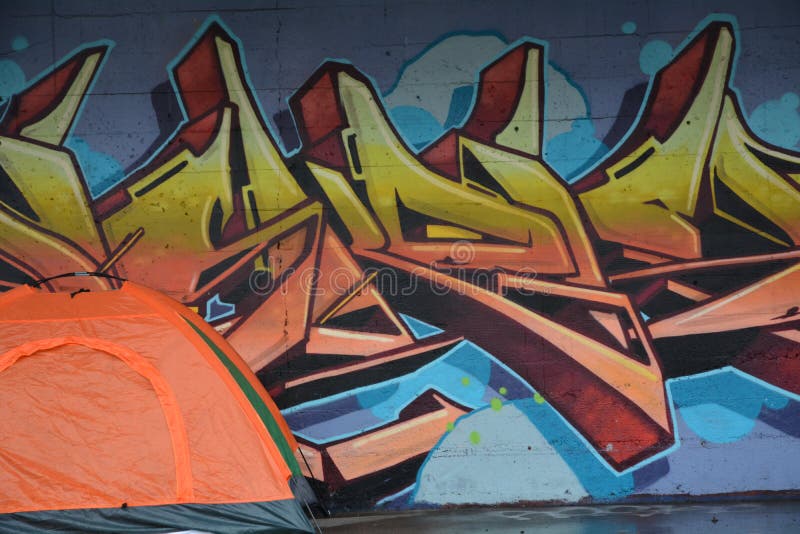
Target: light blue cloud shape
[(496, 456), (435, 90)]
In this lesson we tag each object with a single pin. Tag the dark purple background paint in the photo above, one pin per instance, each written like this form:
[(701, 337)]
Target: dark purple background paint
[(285, 41)]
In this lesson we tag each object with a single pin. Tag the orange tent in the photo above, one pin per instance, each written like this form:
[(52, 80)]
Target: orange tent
[(122, 410)]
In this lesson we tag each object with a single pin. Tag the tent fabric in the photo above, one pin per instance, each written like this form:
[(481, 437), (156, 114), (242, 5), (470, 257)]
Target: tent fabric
[(266, 410), (247, 381), (126, 398), (239, 518)]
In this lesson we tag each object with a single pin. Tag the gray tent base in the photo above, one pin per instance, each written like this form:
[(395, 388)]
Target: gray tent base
[(236, 518)]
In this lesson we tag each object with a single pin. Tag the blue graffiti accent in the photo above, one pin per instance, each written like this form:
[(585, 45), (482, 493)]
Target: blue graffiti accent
[(716, 423), (601, 482), (420, 329), (459, 105), (19, 43), (654, 55), (778, 121), (397, 501), (628, 27), (464, 374), (216, 309), (651, 473), (418, 125), (787, 419), (722, 406), (330, 419), (571, 152), (645, 317), (447, 375), (100, 171), (12, 79)]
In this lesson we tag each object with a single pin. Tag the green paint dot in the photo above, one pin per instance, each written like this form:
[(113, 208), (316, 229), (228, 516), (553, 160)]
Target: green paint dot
[(465, 381), (475, 437), (503, 391), (450, 426), (538, 398), (496, 404)]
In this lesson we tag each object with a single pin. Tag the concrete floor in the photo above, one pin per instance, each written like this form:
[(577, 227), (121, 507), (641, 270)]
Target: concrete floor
[(740, 518)]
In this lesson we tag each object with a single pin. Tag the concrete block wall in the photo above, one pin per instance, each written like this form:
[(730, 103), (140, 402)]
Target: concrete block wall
[(480, 253)]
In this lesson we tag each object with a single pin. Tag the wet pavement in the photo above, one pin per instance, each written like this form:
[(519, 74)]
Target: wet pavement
[(741, 518)]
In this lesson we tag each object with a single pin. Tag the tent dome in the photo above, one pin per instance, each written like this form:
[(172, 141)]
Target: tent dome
[(123, 409)]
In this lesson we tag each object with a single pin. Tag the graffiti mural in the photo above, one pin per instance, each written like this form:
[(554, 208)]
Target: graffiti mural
[(478, 304)]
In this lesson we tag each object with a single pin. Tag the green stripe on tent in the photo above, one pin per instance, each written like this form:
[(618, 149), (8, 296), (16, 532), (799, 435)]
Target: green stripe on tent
[(256, 401)]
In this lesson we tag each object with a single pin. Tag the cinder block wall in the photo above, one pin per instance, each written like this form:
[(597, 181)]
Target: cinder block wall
[(480, 253)]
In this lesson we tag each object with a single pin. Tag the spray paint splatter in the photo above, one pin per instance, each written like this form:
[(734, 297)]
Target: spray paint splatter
[(19, 43), (496, 404), (654, 56), (12, 79), (778, 121), (475, 437)]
